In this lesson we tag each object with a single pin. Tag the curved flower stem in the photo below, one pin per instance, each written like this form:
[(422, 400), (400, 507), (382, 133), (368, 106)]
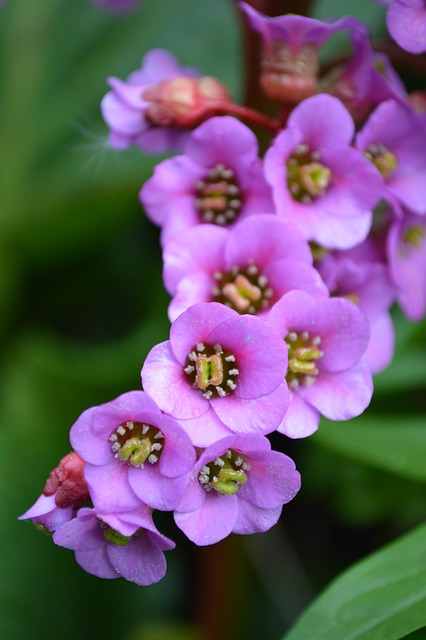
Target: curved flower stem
[(253, 116)]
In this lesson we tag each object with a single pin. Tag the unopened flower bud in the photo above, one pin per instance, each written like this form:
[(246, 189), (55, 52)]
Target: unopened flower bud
[(288, 75), (67, 482), (184, 102)]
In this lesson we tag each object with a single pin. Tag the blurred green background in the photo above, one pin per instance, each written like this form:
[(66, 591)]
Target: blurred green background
[(82, 303)]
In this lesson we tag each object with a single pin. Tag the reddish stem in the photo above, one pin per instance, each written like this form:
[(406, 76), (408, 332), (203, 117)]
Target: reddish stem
[(253, 116)]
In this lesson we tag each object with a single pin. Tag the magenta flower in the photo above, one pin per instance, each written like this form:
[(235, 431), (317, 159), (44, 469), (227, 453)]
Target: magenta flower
[(319, 183), (219, 180), (219, 373), (394, 139), (406, 22), (64, 492), (326, 341), (248, 268), (290, 51), (124, 108), (108, 546), (366, 80), (238, 485), (406, 249), (133, 453), (360, 276)]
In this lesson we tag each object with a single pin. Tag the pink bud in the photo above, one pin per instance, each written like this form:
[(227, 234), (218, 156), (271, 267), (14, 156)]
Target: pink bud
[(67, 482), (184, 102)]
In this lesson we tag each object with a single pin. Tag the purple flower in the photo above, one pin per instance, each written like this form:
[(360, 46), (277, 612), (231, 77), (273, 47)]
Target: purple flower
[(219, 180), (238, 485), (64, 492), (219, 373), (326, 340), (247, 268), (406, 248), (366, 80), (108, 546), (406, 22), (124, 107), (290, 51), (134, 453), (394, 140), (360, 276), (319, 183)]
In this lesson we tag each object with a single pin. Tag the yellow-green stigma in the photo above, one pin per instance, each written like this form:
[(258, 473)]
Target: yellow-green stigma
[(116, 537), (212, 370), (225, 474), (414, 235), (136, 442), (218, 196), (307, 177), (303, 353), (382, 158), (246, 290)]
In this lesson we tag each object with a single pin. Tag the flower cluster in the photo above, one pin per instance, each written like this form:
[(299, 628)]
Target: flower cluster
[(282, 271)]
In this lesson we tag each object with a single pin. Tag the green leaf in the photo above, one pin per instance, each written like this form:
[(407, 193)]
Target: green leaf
[(381, 598), (395, 444)]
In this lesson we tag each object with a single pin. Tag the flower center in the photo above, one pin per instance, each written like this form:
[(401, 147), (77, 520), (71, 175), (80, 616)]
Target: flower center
[(218, 196), (303, 354), (414, 235), (212, 370), (244, 290), (114, 536), (382, 158), (307, 178), (136, 442), (225, 474)]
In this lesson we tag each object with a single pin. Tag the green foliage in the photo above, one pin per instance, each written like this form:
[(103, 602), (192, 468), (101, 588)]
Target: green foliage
[(381, 598)]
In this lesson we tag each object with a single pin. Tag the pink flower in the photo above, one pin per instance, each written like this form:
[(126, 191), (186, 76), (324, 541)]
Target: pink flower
[(124, 108), (326, 340), (360, 276), (219, 180), (320, 184), (291, 45), (133, 453), (406, 249), (406, 21), (248, 268), (219, 373), (366, 80), (394, 140), (109, 546), (238, 485)]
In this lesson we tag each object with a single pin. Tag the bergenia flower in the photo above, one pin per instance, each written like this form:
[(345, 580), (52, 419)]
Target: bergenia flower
[(64, 492), (219, 180), (219, 373), (360, 276), (238, 485), (406, 22), (326, 341), (108, 546), (406, 249), (394, 139), (320, 184), (366, 80), (133, 453), (248, 268), (127, 108), (291, 46)]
